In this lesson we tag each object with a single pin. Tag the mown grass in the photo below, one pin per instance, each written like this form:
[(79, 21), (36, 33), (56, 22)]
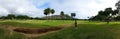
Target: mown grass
[(85, 30)]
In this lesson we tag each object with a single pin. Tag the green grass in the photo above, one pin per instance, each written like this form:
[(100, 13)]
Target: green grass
[(85, 30), (34, 23), (2, 33)]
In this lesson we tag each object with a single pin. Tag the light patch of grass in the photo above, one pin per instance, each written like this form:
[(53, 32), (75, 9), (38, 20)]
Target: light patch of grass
[(34, 23)]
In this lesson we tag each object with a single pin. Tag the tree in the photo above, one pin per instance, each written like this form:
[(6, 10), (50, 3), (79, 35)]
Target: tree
[(11, 16), (47, 11), (115, 12), (101, 12), (3, 17), (104, 15), (62, 14), (22, 17), (73, 15), (118, 5), (117, 18), (52, 11), (108, 11)]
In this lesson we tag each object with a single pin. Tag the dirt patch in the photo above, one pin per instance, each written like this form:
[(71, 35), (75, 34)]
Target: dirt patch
[(36, 31), (33, 32)]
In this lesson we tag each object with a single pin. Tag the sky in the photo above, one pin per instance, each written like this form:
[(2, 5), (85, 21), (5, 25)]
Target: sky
[(35, 8)]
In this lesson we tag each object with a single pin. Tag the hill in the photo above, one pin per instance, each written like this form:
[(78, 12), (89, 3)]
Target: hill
[(58, 17)]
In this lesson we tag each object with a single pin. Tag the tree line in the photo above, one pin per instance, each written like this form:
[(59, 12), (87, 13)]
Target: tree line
[(12, 16), (108, 14), (46, 11)]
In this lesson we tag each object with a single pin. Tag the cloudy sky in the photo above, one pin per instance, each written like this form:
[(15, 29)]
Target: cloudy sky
[(34, 8)]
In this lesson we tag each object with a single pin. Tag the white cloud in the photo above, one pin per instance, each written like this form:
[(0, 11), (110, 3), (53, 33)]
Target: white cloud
[(3, 11), (24, 7), (83, 8)]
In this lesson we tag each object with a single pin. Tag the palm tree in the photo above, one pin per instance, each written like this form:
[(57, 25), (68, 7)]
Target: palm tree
[(73, 15), (62, 14), (47, 12), (52, 11)]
